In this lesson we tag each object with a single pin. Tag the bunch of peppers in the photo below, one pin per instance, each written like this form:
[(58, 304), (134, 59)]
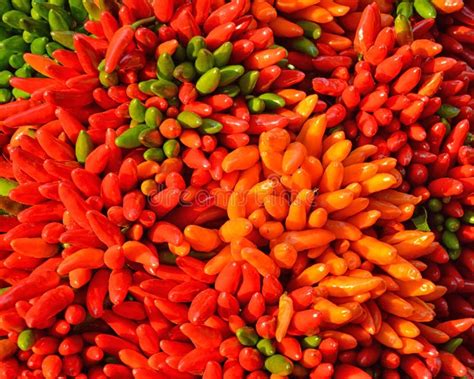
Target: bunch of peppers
[(36, 26), (178, 203)]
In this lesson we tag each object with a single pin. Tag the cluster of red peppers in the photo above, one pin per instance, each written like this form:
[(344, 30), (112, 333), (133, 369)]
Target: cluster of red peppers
[(242, 189)]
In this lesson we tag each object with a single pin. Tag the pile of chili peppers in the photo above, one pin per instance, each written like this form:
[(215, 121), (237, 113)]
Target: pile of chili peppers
[(241, 189), (36, 26)]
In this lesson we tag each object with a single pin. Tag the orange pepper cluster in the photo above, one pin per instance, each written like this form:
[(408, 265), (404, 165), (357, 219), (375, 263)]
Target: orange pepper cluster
[(240, 189)]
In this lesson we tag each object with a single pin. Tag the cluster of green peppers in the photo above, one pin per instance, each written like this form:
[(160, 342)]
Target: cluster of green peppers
[(210, 72), (447, 225), (37, 26), (424, 8)]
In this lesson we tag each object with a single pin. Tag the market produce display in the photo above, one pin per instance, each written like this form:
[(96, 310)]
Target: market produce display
[(236, 189)]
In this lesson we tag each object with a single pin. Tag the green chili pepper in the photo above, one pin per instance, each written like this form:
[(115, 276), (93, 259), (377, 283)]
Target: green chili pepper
[(452, 345), (64, 37), (171, 148), (24, 71), (153, 117), (165, 66), (84, 146), (78, 11), (435, 205), (454, 254), (151, 137), (154, 154), (26, 339), (208, 82), (403, 30), (136, 110), (145, 86), (129, 138), (247, 336), (36, 27), (5, 77), (51, 47), (39, 11), (14, 44), (3, 290), (56, 21), (16, 60), (184, 72), (22, 5), (38, 46), (272, 101), (28, 37), (12, 18), (452, 224), (164, 88), (450, 240), (266, 347), (230, 74), (210, 126), (279, 365), (19, 94), (425, 9), (108, 79), (305, 46), (189, 119), (194, 45), (248, 81), (405, 8), (448, 111), (256, 105), (92, 10), (6, 185), (311, 342), (468, 217), (204, 61), (232, 90), (222, 54), (310, 29)]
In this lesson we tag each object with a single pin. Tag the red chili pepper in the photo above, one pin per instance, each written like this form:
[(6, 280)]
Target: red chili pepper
[(456, 139), (368, 28)]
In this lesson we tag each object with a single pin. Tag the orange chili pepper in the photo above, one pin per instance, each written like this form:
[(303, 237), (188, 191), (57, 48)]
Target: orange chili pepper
[(343, 230), (395, 305), (284, 255), (375, 251), (310, 276), (284, 316), (262, 262), (312, 133), (314, 13), (388, 337), (332, 177), (337, 265), (305, 239), (313, 166), (290, 6), (306, 106), (331, 312), (284, 28), (334, 201), (404, 328), (241, 158), (202, 239)]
